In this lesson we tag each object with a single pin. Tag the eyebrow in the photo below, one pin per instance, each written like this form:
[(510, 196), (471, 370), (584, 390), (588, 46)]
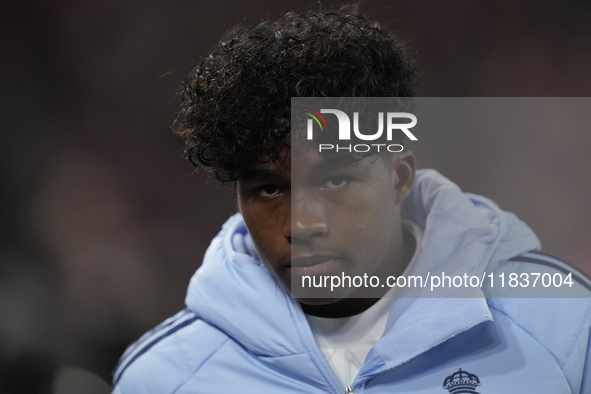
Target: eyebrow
[(333, 163), (326, 164), (259, 174)]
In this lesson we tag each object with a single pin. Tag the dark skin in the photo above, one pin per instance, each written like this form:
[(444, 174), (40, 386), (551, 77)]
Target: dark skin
[(320, 217)]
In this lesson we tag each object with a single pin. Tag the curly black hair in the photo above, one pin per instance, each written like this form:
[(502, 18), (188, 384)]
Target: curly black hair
[(235, 106)]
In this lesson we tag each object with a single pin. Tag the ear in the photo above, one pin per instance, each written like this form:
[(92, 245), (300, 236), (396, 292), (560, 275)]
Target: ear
[(403, 173)]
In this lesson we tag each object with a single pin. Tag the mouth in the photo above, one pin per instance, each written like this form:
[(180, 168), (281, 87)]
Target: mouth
[(313, 265)]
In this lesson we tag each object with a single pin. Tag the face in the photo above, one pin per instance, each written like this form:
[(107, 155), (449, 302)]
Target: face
[(310, 215)]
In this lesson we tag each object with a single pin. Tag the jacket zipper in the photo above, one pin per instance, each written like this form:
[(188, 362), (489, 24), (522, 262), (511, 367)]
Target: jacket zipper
[(334, 380), (326, 366)]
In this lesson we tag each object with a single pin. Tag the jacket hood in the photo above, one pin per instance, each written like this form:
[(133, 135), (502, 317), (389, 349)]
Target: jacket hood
[(463, 234)]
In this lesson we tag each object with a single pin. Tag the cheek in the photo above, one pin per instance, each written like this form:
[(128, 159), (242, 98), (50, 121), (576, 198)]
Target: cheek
[(260, 234), (265, 247), (265, 228), (368, 228), (371, 212)]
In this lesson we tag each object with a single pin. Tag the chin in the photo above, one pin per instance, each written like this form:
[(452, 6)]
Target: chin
[(319, 296), (318, 301)]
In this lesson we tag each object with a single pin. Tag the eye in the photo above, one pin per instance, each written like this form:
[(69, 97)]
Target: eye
[(267, 191), (336, 182)]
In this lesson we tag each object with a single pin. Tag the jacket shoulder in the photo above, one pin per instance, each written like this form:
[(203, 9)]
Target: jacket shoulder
[(535, 274), (559, 321), (167, 356), (544, 262)]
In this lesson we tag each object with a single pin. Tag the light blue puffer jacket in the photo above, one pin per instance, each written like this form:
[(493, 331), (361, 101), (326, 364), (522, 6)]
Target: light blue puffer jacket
[(242, 333)]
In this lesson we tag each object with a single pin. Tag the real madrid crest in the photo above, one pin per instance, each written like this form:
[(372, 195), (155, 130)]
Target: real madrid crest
[(461, 382)]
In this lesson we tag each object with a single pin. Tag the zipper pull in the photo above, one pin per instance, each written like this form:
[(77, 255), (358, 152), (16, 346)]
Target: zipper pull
[(349, 390)]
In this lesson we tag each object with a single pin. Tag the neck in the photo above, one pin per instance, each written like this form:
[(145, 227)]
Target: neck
[(351, 305)]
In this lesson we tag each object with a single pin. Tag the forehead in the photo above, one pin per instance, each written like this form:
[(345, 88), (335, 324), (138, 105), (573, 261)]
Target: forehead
[(297, 163)]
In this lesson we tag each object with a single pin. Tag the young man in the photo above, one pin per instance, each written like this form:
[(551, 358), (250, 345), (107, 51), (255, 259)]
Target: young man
[(304, 214)]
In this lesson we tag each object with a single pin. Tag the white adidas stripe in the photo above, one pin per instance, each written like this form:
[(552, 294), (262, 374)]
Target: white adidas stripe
[(145, 339)]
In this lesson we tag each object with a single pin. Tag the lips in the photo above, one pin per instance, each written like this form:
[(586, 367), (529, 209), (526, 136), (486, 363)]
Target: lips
[(313, 265)]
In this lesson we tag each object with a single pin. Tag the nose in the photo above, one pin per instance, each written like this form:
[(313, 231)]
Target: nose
[(308, 219)]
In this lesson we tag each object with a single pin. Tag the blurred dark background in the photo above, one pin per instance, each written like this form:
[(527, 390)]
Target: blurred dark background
[(103, 223)]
